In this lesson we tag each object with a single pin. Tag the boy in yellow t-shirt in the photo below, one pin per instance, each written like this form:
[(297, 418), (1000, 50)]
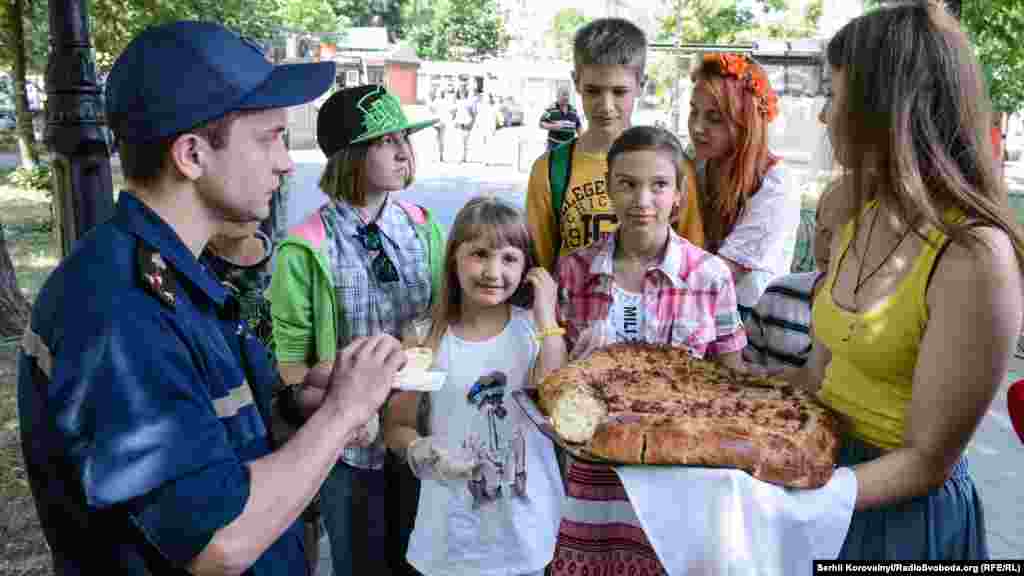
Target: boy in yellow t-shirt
[(609, 55)]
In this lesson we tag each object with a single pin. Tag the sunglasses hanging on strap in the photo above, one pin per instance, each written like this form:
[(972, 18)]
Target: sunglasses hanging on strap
[(383, 268)]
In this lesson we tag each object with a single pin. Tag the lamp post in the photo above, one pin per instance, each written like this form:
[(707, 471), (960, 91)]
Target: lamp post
[(82, 187)]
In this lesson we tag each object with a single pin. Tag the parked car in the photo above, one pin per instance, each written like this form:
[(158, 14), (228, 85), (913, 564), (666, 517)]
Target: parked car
[(511, 112)]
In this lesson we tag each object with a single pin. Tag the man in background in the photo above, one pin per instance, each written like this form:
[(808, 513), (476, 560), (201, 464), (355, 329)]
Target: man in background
[(560, 120)]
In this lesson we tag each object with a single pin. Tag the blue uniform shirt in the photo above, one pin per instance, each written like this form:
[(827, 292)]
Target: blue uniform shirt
[(139, 394)]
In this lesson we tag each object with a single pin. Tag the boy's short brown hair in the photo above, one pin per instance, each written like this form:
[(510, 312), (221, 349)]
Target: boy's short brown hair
[(611, 41), (145, 163)]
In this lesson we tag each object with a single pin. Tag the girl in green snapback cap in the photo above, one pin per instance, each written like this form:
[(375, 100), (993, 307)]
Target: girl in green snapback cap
[(362, 264)]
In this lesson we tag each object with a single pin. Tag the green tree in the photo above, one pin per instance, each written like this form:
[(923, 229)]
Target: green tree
[(35, 21), (706, 21), (16, 32), (994, 28), (115, 22), (460, 30), (563, 29), (727, 21), (813, 13), (786, 19), (22, 41), (310, 16), (387, 13)]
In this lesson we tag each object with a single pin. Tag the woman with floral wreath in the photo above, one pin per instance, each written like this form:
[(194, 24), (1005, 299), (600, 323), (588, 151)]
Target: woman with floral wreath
[(749, 219)]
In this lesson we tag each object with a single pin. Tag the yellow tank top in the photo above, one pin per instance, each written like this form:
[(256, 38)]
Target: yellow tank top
[(874, 352)]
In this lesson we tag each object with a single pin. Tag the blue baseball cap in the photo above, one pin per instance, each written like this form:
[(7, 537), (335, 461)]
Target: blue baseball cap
[(174, 77)]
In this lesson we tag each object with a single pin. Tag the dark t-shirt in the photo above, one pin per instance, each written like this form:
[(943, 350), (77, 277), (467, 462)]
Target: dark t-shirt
[(249, 285)]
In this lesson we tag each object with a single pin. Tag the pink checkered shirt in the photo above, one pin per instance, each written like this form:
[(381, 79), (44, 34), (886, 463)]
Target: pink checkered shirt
[(689, 297)]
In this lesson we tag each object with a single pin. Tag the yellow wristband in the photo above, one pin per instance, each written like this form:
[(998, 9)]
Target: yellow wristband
[(552, 331)]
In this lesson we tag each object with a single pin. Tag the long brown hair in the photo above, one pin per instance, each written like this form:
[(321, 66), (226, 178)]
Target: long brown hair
[(500, 224), (913, 125), (729, 182)]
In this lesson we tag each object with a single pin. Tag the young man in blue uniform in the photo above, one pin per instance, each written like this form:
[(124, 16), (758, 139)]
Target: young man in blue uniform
[(143, 398)]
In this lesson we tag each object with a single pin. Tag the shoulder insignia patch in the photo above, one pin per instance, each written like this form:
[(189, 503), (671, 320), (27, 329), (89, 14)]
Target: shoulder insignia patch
[(157, 277)]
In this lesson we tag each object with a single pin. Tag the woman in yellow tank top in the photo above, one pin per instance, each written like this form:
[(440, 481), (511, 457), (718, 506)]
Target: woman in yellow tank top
[(915, 322)]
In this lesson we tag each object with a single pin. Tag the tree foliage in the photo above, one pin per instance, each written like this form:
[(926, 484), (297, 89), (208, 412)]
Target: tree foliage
[(995, 30), (387, 13), (114, 23), (35, 20), (311, 16), (468, 30), (728, 21), (16, 31), (563, 29), (706, 21)]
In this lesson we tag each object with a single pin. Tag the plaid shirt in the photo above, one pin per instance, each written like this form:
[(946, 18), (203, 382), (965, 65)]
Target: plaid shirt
[(370, 306), (689, 298)]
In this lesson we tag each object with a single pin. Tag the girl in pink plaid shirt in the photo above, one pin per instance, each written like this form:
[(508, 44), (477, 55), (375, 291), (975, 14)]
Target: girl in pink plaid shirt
[(641, 283)]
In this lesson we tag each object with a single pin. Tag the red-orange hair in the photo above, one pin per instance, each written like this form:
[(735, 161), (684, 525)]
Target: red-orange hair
[(743, 94)]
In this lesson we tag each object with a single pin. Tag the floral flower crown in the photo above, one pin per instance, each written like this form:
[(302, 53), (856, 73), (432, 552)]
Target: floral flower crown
[(754, 80)]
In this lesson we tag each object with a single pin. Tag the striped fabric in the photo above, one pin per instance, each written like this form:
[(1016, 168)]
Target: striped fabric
[(778, 330), (600, 533)]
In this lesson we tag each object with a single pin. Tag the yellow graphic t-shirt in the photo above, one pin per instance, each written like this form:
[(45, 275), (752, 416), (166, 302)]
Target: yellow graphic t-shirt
[(586, 210)]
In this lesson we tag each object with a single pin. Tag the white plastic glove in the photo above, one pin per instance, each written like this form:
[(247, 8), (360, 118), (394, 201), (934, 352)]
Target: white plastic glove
[(429, 460), (367, 434)]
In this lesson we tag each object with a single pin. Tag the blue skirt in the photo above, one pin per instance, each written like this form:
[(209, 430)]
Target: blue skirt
[(947, 523)]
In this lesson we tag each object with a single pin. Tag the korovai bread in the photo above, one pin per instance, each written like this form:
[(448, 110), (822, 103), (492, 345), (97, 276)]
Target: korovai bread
[(651, 404)]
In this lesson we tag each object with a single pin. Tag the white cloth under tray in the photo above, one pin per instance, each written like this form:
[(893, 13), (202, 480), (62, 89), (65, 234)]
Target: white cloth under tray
[(718, 522)]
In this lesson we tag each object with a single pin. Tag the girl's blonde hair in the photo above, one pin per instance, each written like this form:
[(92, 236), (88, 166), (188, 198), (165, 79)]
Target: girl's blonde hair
[(742, 93), (345, 178), (913, 125), (497, 223)]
